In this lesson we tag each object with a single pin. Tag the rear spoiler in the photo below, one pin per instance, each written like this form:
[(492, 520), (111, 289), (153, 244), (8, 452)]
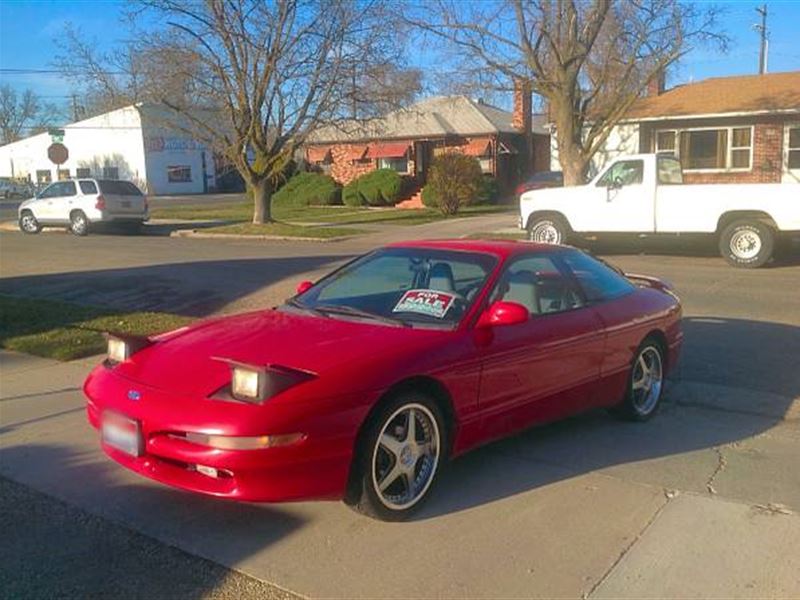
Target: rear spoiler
[(651, 282)]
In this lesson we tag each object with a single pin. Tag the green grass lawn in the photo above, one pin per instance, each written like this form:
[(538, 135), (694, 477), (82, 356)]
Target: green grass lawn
[(66, 331), (284, 229), (344, 215)]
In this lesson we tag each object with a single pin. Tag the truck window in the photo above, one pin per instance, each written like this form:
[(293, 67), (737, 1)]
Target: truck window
[(669, 171), (624, 172)]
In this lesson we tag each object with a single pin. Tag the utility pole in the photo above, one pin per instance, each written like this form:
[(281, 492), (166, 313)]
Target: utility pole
[(762, 29)]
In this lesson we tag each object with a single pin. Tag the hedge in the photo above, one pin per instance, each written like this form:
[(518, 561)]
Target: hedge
[(381, 187), (307, 189), (487, 194)]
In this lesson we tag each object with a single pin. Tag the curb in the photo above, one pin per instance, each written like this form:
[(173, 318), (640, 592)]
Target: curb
[(194, 233)]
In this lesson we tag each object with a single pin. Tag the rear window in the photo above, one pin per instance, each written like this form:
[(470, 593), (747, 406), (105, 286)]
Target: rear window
[(88, 187), (119, 188), (598, 281)]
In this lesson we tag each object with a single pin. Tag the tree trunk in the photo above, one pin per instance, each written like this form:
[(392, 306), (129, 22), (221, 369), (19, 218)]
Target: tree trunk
[(262, 202), (574, 168)]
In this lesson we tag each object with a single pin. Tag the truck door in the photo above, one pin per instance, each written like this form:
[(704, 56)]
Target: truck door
[(624, 198)]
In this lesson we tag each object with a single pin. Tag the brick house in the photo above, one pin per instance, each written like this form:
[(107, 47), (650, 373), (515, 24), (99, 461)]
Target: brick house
[(509, 145), (724, 130)]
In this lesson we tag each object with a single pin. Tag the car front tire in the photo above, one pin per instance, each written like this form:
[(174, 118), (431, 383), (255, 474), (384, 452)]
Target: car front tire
[(548, 230), (645, 383), (399, 457), (747, 244), (78, 223), (28, 223)]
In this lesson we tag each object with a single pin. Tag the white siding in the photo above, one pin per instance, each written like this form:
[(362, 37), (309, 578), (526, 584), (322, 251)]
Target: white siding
[(113, 139), (623, 139)]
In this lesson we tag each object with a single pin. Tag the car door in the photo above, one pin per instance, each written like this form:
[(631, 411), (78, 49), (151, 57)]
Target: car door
[(544, 368), (624, 199), (56, 201)]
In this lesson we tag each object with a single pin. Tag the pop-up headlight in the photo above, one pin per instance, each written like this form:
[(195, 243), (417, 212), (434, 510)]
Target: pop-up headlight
[(121, 346), (252, 383)]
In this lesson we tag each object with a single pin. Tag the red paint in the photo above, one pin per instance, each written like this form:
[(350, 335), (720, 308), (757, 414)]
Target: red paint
[(304, 286), (502, 371)]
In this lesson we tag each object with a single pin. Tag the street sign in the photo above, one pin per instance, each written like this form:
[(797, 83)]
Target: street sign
[(57, 153), (56, 135)]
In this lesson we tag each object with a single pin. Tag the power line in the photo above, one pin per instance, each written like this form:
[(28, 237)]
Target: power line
[(50, 72)]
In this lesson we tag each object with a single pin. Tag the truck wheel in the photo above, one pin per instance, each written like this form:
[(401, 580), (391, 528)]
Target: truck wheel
[(747, 244), (547, 230)]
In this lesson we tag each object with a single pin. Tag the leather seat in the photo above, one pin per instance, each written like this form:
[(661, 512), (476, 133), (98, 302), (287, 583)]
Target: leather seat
[(522, 290)]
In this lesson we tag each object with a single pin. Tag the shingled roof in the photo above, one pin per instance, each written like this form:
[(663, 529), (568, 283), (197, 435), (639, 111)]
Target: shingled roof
[(433, 117), (772, 92)]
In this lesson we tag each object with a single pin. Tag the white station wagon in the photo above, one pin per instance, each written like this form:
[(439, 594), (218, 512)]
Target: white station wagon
[(80, 203)]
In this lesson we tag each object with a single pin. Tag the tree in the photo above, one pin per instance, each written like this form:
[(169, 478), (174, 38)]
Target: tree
[(253, 78), (455, 180), (590, 60), (22, 115)]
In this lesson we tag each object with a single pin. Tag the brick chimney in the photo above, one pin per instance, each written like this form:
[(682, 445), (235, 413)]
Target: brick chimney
[(521, 116), (657, 85)]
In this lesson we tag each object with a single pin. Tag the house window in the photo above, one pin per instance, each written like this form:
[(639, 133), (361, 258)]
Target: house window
[(110, 173), (721, 149), (179, 174), (486, 164), (665, 142), (44, 177), (741, 148), (399, 164), (793, 155), (83, 172)]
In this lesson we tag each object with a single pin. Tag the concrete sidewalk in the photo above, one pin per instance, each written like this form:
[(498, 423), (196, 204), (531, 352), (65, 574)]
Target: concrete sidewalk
[(698, 502)]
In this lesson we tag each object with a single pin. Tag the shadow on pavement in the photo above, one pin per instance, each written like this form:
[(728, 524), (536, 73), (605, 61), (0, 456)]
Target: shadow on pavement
[(60, 551), (191, 288)]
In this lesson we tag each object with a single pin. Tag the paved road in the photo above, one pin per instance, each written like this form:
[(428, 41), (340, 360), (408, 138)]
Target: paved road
[(701, 501)]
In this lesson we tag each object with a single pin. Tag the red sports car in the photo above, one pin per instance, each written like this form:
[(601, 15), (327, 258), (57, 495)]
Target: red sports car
[(366, 382)]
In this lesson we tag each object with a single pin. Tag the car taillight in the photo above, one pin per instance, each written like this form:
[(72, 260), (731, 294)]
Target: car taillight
[(101, 203)]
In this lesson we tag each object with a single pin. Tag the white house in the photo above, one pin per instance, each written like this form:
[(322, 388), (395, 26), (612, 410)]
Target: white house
[(136, 143)]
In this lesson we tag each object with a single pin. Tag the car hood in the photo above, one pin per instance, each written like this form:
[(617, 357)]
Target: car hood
[(188, 361)]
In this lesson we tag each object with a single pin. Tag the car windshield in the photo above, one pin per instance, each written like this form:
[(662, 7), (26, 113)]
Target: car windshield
[(402, 286), (113, 187)]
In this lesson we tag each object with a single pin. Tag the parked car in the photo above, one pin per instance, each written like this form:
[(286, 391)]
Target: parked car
[(645, 194), (363, 385), (11, 188), (540, 181), (81, 203)]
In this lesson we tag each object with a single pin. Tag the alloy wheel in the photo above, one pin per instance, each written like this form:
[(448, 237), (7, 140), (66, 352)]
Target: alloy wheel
[(545, 232), (406, 456), (647, 380), (29, 223)]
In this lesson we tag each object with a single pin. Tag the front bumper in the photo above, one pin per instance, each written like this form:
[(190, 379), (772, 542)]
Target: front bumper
[(316, 467)]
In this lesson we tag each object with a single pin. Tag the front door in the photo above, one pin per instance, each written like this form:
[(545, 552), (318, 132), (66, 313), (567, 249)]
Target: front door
[(544, 368), (422, 157), (622, 199)]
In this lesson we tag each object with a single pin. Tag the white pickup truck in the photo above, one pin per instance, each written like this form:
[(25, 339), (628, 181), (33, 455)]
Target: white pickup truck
[(645, 194)]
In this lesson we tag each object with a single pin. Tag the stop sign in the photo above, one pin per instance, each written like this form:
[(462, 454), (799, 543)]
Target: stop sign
[(58, 153)]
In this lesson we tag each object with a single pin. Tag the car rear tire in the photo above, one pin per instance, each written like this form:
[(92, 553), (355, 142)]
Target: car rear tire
[(28, 223), (399, 457), (645, 383), (746, 243), (548, 230), (78, 223)]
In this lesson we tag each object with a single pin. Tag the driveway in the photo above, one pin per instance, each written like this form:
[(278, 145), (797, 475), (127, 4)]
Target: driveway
[(701, 501)]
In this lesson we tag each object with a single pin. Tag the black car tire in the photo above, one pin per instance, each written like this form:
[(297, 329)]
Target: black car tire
[(373, 458), (28, 223), (548, 229), (78, 223), (637, 406)]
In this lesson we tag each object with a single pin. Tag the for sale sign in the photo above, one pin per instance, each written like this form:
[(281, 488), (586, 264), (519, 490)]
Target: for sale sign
[(425, 302)]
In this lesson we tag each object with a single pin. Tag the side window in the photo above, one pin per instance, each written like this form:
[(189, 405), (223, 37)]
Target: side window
[(59, 189), (50, 191), (88, 187), (622, 173), (598, 281), (68, 188), (538, 284)]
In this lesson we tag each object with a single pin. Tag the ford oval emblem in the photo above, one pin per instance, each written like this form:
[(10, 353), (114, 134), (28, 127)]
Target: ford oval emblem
[(134, 395)]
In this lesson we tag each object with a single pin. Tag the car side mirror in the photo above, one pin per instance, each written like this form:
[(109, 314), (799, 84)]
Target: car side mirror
[(304, 286), (504, 313)]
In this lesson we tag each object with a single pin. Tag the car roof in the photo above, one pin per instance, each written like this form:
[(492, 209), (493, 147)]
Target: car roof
[(503, 248)]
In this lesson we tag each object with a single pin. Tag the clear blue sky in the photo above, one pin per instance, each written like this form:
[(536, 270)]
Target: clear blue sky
[(28, 30)]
